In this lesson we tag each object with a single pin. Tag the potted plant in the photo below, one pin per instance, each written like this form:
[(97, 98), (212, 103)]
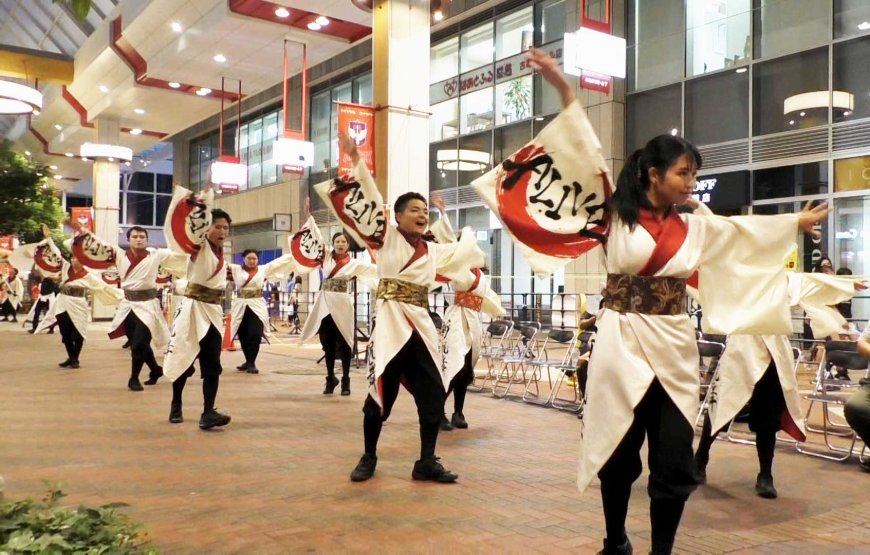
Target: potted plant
[(517, 97)]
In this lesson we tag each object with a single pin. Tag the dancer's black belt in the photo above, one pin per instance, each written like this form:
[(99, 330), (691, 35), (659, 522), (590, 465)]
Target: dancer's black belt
[(73, 291), (656, 296), (139, 295)]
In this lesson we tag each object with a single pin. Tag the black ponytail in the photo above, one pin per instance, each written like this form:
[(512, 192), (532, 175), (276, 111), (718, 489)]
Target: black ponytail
[(633, 182)]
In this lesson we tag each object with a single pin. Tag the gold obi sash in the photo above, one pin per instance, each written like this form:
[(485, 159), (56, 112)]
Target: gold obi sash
[(467, 299), (140, 294), (335, 285), (73, 291), (390, 289), (656, 296), (250, 294), (204, 294)]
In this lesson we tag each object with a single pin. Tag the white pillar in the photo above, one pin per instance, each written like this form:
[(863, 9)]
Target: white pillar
[(107, 177), (400, 75)]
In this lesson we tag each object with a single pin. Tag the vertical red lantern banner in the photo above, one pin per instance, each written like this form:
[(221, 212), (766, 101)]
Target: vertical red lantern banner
[(6, 242), (358, 122), (82, 218)]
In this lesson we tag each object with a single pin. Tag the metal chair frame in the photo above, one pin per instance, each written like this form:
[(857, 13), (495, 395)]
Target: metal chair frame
[(718, 348), (564, 340), (576, 404), (514, 362), (492, 346)]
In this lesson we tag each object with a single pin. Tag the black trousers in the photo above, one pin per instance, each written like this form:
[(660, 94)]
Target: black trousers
[(459, 384), (250, 334), (671, 480), (72, 339), (414, 367), (334, 345), (40, 309), (8, 309), (857, 412), (139, 337), (209, 368), (765, 413)]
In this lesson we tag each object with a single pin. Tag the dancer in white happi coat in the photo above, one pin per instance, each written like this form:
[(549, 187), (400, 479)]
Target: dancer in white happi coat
[(139, 317), (554, 197), (760, 370), (47, 295), (331, 317), (461, 330), (249, 314), (192, 227), (14, 289), (70, 310), (406, 343)]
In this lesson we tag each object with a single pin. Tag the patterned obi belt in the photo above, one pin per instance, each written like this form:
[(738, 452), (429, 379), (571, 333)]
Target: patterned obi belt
[(73, 291), (140, 294), (204, 294), (404, 292), (250, 294), (467, 299), (335, 285), (656, 296)]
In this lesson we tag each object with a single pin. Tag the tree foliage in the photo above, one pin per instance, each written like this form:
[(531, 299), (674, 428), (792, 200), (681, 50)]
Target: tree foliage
[(79, 8), (26, 200)]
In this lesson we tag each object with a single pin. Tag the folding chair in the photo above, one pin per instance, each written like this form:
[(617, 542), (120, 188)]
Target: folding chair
[(712, 347), (514, 362), (494, 344), (557, 352), (584, 344), (828, 392)]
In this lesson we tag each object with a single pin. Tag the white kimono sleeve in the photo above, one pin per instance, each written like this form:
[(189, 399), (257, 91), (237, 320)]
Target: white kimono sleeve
[(308, 248), (742, 280), (107, 294), (443, 231), (281, 266), (454, 261), (815, 294)]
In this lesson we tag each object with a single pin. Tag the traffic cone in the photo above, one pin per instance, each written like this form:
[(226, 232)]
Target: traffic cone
[(228, 344)]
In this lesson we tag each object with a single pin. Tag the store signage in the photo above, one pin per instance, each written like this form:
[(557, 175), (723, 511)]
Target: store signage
[(488, 75), (82, 218), (596, 81), (294, 155), (723, 191), (229, 173), (358, 123), (852, 174)]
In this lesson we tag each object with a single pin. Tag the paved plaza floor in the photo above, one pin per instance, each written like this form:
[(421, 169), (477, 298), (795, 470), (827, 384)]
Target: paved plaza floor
[(276, 479)]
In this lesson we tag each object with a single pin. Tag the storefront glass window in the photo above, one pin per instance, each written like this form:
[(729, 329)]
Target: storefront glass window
[(476, 48), (444, 121), (659, 40), (546, 98), (790, 181), (786, 26), (443, 165), (510, 139), (851, 98), (319, 134), (790, 93), (341, 93), (716, 108), (476, 111), (514, 33), (444, 60), (852, 232), (553, 18), (362, 89), (652, 113), (270, 133), (852, 174), (513, 100), (718, 35), (255, 153), (851, 17)]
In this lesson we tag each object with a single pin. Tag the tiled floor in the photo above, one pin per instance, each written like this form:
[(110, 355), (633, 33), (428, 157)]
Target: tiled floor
[(276, 479)]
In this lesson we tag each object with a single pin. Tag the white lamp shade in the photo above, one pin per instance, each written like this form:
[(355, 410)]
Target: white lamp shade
[(841, 100), (293, 152), (16, 98), (463, 160), (96, 151), (229, 173)]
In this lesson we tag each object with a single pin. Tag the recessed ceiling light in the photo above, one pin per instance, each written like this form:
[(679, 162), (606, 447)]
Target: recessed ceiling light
[(802, 114), (174, 84), (438, 15), (219, 58), (104, 89), (52, 167), (139, 111), (135, 131), (864, 26), (791, 122), (322, 20), (69, 154), (282, 12), (674, 131), (58, 127), (203, 91), (741, 70), (176, 26), (58, 176), (314, 26)]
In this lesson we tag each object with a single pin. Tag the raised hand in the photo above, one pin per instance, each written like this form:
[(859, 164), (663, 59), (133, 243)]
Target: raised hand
[(346, 144), (549, 69), (808, 217), (438, 202), (46, 232), (307, 207)]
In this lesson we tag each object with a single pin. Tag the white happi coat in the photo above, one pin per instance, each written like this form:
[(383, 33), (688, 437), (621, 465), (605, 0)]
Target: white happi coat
[(396, 321), (192, 319), (747, 357), (77, 308), (14, 291), (743, 289), (254, 281), (461, 330)]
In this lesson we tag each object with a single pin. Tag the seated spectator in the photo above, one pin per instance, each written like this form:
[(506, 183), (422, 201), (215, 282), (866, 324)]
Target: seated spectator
[(857, 410)]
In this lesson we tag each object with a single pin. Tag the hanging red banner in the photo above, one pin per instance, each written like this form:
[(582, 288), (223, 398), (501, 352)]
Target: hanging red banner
[(82, 218), (6, 242), (358, 122)]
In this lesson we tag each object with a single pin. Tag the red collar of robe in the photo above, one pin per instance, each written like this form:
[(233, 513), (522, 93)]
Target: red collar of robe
[(669, 233), (340, 262), (134, 260), (419, 244)]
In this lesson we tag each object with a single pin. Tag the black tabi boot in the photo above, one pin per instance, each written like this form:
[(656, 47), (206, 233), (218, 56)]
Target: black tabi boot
[(445, 424), (331, 382), (175, 414), (621, 547), (458, 421), (365, 468), (345, 385), (431, 470)]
